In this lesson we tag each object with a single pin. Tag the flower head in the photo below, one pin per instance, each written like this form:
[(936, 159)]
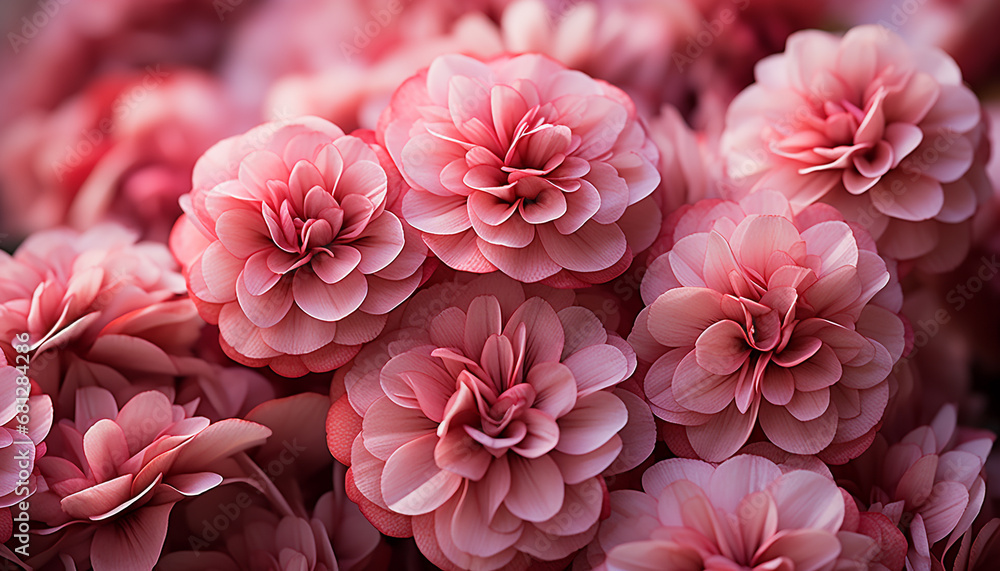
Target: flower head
[(117, 473), (122, 150), (746, 513), (930, 483), (756, 315), (290, 244), (885, 132), (486, 432), (99, 308), (522, 165)]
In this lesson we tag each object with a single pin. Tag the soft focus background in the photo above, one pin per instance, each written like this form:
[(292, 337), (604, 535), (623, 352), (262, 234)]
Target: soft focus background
[(105, 105)]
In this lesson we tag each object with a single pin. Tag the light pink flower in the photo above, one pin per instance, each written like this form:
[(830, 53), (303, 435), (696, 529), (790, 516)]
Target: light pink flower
[(930, 484), (291, 245), (747, 513), (113, 475), (885, 132), (485, 423), (759, 317), (99, 309), (522, 165)]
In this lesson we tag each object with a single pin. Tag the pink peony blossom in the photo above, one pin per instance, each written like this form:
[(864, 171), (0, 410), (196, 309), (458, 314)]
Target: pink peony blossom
[(483, 425), (522, 165), (746, 513), (99, 308), (930, 484), (291, 245), (885, 132), (112, 476), (760, 317)]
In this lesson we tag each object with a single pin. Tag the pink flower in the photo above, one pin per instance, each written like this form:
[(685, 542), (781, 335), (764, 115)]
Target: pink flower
[(99, 308), (291, 245), (930, 483), (757, 316), (747, 513), (886, 133), (522, 165), (686, 172), (274, 529), (56, 50), (632, 45), (122, 150), (486, 424), (115, 474)]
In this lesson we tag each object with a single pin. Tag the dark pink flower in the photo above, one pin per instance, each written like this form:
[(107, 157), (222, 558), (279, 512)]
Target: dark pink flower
[(294, 520)]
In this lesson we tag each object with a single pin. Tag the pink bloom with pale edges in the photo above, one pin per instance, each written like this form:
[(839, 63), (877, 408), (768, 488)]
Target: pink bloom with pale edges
[(521, 165), (760, 317), (291, 245), (112, 476), (746, 513), (99, 308), (484, 426), (885, 132)]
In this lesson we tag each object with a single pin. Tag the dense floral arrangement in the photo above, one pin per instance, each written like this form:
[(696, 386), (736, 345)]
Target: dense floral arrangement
[(499, 285)]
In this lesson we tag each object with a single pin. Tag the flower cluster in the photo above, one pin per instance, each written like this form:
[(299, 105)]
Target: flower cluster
[(499, 285)]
